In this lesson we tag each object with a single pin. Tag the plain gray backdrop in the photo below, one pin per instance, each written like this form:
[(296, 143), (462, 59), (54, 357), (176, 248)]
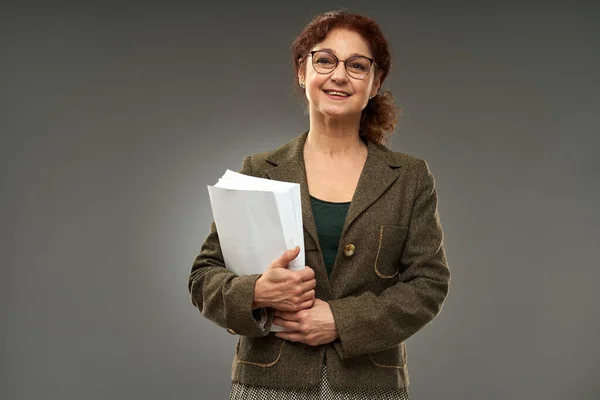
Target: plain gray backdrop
[(115, 117)]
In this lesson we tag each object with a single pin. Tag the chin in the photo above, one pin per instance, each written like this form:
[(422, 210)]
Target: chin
[(342, 116), (338, 112)]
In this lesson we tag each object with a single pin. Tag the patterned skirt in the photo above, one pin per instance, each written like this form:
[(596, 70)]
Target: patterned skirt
[(323, 391)]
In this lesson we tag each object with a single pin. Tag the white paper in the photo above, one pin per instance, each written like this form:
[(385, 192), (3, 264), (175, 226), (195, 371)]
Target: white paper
[(257, 221)]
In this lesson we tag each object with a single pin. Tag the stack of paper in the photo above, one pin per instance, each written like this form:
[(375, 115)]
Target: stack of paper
[(257, 220)]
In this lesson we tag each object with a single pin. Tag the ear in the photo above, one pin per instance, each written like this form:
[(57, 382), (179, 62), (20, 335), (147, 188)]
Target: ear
[(301, 76), (301, 79), (376, 84)]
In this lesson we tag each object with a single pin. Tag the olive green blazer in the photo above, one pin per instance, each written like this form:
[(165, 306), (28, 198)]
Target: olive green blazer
[(389, 280)]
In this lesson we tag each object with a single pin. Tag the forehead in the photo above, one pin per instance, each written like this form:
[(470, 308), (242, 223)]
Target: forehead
[(345, 43)]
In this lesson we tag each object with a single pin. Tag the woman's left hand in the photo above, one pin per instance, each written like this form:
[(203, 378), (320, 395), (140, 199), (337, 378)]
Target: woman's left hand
[(313, 326)]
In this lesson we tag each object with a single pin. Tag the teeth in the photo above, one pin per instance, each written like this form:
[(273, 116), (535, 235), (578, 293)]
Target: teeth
[(337, 93)]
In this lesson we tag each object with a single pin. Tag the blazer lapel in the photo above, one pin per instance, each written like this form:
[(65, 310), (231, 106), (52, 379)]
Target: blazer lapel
[(288, 166), (377, 175)]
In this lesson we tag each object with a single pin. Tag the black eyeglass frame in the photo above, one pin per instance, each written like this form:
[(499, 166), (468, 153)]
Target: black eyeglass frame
[(372, 63)]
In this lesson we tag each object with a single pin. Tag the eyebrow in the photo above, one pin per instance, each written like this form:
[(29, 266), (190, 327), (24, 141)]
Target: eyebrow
[(333, 52)]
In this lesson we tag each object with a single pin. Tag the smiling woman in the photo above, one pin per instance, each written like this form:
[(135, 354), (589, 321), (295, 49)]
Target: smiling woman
[(377, 270), (367, 50)]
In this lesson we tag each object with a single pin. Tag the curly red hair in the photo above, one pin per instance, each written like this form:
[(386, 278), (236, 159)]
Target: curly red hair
[(380, 116)]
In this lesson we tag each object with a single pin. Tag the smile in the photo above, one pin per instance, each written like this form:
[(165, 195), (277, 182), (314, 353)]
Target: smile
[(336, 93)]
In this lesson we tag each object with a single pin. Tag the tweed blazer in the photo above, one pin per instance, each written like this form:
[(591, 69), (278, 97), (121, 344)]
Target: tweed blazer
[(389, 279)]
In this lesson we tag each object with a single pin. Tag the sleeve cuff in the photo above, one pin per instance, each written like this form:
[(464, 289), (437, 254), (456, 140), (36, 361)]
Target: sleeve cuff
[(260, 315)]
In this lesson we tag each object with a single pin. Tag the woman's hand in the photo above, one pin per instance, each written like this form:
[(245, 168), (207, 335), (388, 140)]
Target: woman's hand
[(286, 290), (313, 326)]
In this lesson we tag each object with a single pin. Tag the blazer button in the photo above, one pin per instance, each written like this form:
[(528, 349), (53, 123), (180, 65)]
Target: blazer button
[(349, 250), (231, 331)]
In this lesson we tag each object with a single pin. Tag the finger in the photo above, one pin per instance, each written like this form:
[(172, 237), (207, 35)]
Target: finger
[(307, 304), (291, 336), (291, 325), (306, 273), (309, 295), (308, 285), (286, 257), (287, 315)]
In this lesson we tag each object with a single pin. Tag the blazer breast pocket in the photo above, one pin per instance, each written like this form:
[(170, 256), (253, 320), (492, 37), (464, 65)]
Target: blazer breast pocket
[(389, 251)]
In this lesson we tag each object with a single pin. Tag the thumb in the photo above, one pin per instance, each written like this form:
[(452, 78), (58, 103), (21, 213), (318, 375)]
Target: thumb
[(286, 257)]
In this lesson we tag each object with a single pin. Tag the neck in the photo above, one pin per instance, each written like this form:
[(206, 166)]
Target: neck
[(334, 137)]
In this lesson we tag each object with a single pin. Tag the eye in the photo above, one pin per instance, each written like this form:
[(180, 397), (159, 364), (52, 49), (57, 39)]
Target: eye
[(324, 60), (358, 66)]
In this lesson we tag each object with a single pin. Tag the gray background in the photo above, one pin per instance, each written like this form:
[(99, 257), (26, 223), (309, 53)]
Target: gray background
[(115, 117)]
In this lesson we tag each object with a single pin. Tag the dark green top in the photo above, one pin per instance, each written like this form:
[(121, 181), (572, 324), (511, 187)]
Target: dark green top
[(329, 219)]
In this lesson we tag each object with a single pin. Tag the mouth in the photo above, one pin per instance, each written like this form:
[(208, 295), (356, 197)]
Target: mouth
[(338, 94)]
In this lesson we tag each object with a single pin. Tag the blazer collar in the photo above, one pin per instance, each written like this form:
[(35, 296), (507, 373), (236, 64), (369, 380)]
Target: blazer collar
[(377, 175)]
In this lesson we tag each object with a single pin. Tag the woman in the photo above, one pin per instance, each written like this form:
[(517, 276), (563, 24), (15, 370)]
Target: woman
[(376, 267)]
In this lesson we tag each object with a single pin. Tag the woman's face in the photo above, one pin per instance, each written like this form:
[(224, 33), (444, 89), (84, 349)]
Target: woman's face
[(336, 94)]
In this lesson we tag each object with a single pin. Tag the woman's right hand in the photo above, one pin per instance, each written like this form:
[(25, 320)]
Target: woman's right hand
[(283, 289)]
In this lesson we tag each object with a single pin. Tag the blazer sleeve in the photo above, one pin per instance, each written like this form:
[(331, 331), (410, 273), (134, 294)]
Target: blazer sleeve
[(369, 323), (222, 296)]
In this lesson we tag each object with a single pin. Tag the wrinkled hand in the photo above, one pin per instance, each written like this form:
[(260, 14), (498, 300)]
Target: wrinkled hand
[(283, 289), (313, 326)]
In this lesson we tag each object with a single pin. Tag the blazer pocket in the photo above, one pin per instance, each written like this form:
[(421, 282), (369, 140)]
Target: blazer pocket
[(259, 351), (391, 245), (390, 358)]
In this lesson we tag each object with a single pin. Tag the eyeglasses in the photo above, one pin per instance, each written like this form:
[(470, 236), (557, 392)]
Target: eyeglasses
[(357, 66)]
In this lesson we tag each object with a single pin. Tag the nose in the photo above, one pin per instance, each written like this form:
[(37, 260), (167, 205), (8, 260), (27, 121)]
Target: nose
[(339, 74)]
